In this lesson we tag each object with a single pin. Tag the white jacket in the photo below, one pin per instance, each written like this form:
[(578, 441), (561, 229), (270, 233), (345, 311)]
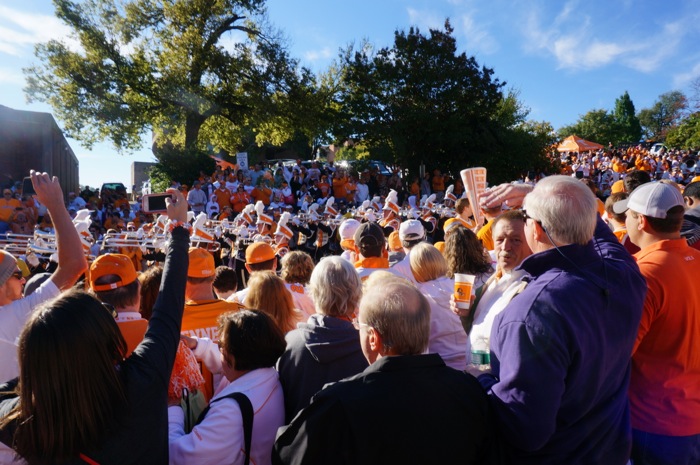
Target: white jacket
[(13, 316), (218, 439), (447, 337)]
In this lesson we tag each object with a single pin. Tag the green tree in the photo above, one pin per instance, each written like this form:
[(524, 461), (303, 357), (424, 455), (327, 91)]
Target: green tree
[(596, 125), (201, 75), (695, 94), (626, 122), (420, 102), (666, 113), (687, 134)]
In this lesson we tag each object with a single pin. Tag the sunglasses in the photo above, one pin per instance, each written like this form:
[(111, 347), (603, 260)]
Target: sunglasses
[(17, 275), (110, 308)]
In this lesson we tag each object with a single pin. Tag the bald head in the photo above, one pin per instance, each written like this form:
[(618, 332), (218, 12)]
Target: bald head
[(399, 313)]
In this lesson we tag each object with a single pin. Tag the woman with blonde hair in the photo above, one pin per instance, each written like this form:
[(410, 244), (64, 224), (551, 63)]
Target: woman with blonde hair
[(297, 267), (267, 292), (447, 337)]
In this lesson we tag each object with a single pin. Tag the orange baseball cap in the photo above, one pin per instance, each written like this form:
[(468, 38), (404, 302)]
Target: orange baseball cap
[(440, 246), (112, 264), (394, 241), (617, 186), (201, 263), (259, 252), (450, 223)]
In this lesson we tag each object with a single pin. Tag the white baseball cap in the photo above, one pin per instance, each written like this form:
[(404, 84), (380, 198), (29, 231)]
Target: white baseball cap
[(652, 199), (411, 229), (347, 228)]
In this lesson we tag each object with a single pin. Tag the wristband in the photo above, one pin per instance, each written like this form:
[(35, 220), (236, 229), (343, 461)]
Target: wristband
[(172, 224)]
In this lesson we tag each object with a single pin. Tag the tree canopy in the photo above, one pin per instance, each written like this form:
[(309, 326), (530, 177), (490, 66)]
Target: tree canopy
[(667, 112), (687, 134), (627, 125), (421, 102), (621, 126), (201, 75)]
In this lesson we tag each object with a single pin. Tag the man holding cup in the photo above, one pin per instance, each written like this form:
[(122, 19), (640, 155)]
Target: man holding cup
[(511, 249), (560, 350)]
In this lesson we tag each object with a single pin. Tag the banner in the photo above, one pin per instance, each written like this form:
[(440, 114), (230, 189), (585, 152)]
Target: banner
[(474, 180), (242, 160)]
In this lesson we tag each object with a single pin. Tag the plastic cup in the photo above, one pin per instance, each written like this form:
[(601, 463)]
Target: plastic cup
[(464, 289)]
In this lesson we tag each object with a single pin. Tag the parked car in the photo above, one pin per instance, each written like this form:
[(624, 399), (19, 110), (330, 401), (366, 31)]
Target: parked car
[(658, 149), (115, 186), (360, 165)]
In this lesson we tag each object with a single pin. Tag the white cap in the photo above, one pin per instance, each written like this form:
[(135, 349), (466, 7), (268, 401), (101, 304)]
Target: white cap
[(347, 228), (411, 229), (652, 199)]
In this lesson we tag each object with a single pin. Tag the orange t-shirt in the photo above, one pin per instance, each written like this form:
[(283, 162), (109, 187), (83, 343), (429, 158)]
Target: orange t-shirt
[(200, 320), (239, 200), (664, 387), (7, 209), (133, 332), (223, 197), (263, 194), (339, 187)]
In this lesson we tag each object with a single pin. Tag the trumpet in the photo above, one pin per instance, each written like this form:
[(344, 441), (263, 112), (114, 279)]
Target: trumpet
[(16, 243), (335, 222), (209, 245)]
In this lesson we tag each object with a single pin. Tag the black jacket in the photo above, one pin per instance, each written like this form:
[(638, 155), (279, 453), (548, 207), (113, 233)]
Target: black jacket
[(401, 409)]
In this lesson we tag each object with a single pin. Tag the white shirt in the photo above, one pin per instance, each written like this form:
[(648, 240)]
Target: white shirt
[(447, 336), (494, 299), (361, 192), (239, 296), (302, 300), (218, 439), (403, 268), (13, 316)]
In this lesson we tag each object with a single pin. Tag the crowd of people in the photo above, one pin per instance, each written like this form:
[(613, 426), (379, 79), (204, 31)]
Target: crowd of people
[(307, 325)]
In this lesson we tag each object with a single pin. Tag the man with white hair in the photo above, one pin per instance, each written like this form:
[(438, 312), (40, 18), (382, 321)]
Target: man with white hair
[(560, 350)]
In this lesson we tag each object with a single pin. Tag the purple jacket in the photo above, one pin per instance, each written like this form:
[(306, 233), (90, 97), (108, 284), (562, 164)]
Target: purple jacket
[(561, 355)]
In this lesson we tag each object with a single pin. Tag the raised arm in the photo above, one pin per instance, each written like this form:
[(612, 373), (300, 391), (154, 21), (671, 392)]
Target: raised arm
[(71, 260), (510, 194)]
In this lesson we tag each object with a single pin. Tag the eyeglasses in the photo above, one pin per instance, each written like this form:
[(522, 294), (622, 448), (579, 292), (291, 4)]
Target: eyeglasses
[(526, 216), (110, 308), (17, 275), (356, 323)]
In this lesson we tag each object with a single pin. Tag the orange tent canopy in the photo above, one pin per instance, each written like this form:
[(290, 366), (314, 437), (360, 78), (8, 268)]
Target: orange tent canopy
[(574, 143)]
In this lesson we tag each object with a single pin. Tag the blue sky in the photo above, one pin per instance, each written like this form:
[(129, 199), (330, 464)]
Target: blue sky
[(564, 57)]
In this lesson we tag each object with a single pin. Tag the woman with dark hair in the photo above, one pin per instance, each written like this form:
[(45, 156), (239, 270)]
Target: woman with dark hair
[(78, 398), (250, 344), (465, 254)]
